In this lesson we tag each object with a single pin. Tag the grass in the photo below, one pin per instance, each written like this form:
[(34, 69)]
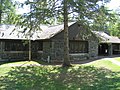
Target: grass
[(5, 68), (106, 64), (98, 75), (118, 59), (21, 63)]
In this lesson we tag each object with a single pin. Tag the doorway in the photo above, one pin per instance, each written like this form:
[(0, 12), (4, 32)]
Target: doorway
[(103, 49)]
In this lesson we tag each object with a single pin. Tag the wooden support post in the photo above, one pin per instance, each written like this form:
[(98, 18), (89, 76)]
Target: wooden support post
[(30, 52), (110, 49)]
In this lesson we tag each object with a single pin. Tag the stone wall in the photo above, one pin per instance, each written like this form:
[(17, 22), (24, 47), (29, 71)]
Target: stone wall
[(78, 56), (93, 49), (54, 51), (13, 55)]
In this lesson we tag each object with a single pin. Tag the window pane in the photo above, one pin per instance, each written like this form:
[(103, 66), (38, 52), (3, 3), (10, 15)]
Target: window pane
[(40, 45), (78, 46), (15, 46)]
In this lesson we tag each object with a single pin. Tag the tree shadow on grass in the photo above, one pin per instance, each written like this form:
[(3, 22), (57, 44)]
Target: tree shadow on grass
[(57, 78)]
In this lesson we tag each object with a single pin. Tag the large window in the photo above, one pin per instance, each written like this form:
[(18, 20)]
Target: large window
[(15, 46), (18, 45), (40, 46), (77, 46), (116, 48)]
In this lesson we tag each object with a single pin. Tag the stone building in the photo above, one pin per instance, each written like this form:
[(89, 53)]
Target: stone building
[(83, 44), (48, 44)]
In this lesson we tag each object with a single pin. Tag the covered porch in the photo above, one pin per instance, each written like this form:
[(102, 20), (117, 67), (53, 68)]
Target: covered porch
[(108, 49)]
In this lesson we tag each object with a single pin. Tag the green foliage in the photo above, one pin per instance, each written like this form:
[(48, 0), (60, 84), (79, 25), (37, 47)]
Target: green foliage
[(4, 70), (114, 25), (40, 13), (57, 78), (7, 12), (106, 20), (33, 76), (47, 11)]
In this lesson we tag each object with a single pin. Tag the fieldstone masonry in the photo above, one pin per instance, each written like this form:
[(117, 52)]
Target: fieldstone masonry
[(55, 51)]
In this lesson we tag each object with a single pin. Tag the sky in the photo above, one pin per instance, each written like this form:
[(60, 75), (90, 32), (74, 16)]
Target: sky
[(22, 10), (114, 4)]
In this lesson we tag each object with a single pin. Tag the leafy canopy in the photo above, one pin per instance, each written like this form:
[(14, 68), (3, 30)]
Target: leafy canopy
[(7, 12)]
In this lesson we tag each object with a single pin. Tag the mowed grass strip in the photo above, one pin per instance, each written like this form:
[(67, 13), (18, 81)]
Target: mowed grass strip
[(105, 64), (118, 59), (5, 68)]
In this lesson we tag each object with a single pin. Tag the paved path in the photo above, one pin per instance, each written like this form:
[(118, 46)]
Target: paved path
[(113, 61)]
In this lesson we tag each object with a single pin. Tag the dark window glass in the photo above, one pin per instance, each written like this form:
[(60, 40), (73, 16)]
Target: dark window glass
[(116, 48), (40, 46), (77, 46), (15, 46)]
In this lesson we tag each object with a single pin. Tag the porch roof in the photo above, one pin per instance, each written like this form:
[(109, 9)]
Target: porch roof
[(105, 38)]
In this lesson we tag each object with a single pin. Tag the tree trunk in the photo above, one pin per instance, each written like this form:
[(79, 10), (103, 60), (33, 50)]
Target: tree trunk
[(66, 62), (0, 16), (0, 11), (30, 44)]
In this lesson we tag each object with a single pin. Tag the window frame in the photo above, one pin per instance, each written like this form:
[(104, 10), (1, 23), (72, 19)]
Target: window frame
[(77, 47), (15, 45)]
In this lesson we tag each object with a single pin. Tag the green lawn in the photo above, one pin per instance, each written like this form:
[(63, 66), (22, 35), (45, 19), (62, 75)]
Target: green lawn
[(5, 68), (118, 59), (105, 64), (98, 75)]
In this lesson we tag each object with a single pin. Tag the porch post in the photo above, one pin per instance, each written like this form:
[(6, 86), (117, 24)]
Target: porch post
[(2, 49), (110, 49), (30, 51)]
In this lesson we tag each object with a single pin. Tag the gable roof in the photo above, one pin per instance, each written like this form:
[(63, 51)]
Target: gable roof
[(51, 31), (105, 38), (6, 32)]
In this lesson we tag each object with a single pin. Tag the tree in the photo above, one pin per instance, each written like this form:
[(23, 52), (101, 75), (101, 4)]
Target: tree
[(66, 61), (1, 10), (44, 11), (84, 10), (7, 12), (107, 20), (114, 25), (39, 13)]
